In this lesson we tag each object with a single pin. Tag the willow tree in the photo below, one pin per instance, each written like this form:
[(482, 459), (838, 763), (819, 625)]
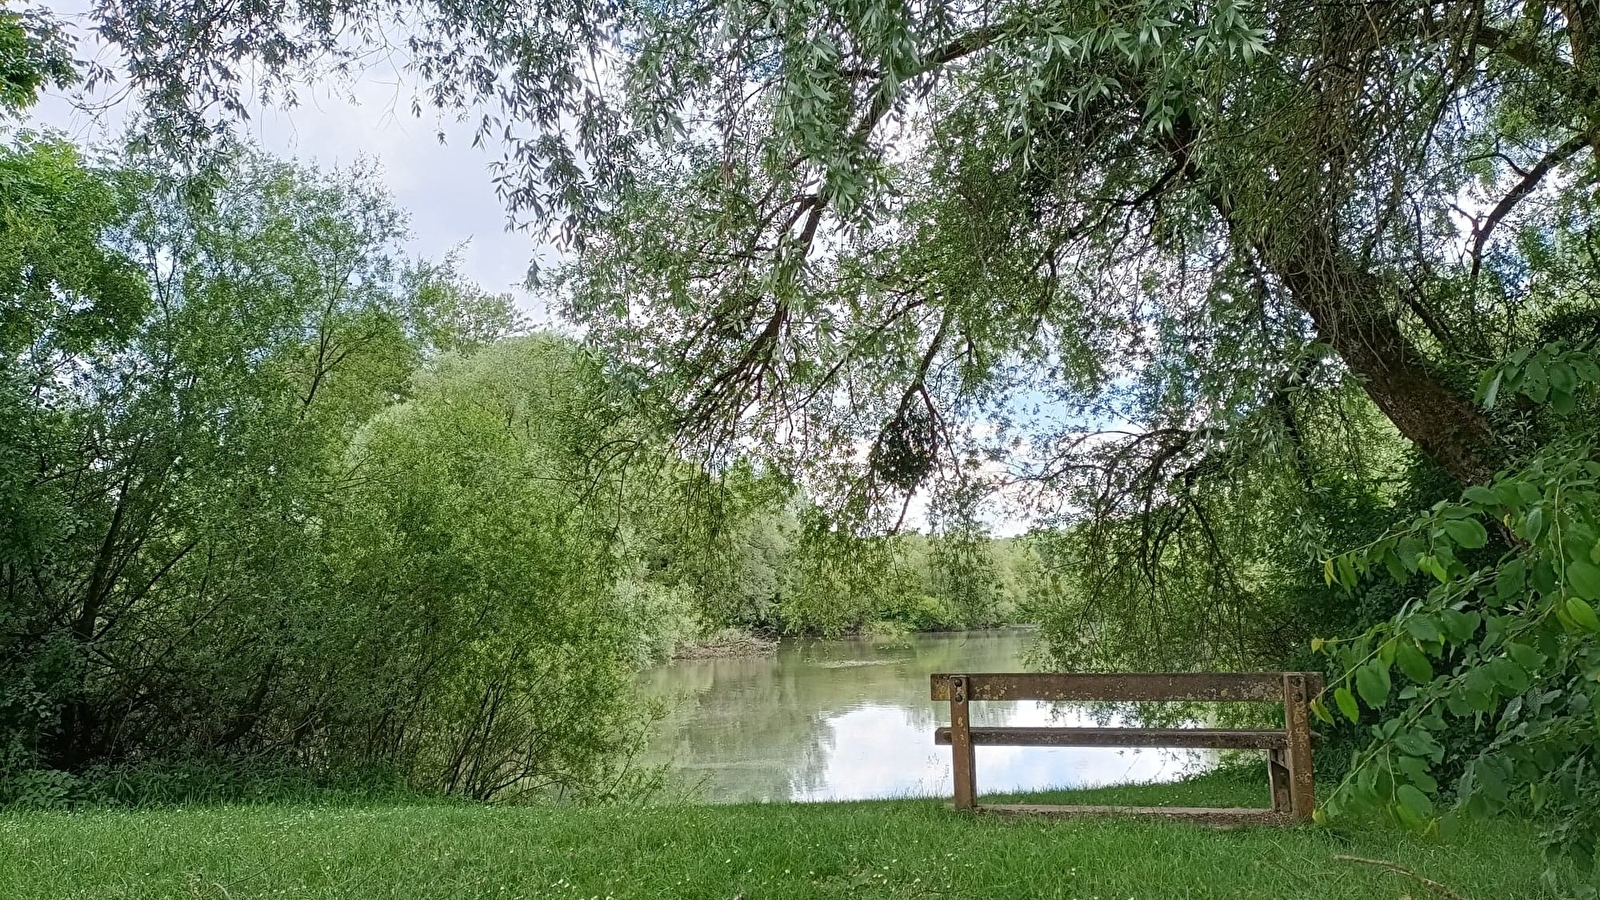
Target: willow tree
[(876, 215), (868, 219), (1163, 262)]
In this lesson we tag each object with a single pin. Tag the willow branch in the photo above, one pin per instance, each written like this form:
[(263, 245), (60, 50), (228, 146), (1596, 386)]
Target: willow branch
[(1530, 180)]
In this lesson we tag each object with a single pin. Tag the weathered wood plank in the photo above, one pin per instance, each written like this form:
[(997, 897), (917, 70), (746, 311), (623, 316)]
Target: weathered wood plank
[(963, 765), (1192, 686), (1212, 738), (1278, 780), (1201, 815), (1297, 688)]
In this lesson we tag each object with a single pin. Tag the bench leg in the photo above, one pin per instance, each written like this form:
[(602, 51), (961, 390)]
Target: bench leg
[(1297, 721), (961, 767), (1278, 778)]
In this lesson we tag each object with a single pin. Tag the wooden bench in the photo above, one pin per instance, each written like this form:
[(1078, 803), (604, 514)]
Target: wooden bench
[(1288, 748)]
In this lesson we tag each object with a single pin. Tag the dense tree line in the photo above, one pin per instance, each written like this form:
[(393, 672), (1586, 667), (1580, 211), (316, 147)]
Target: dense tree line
[(246, 482), (777, 563)]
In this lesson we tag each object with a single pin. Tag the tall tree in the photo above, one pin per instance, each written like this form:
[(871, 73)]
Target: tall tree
[(66, 297)]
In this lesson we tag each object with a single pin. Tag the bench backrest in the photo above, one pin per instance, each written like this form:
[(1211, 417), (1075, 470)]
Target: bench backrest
[(1145, 686)]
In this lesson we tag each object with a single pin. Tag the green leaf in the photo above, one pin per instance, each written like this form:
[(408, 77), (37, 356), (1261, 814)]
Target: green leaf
[(1533, 525), (1347, 571), (1533, 382), (1397, 569), (1468, 533), (1346, 702), (1489, 390), (1416, 771), (1509, 495), (1413, 662), (1417, 742), (1544, 578), (1509, 675), (1459, 625), (1320, 710), (1562, 378), (1415, 800), (1423, 628), (1430, 564), (1410, 552), (1480, 494), (1583, 614), (1372, 682), (1512, 580), (1584, 578), (1526, 656)]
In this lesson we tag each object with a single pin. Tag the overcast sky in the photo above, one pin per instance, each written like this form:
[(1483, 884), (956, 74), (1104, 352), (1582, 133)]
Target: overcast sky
[(446, 188)]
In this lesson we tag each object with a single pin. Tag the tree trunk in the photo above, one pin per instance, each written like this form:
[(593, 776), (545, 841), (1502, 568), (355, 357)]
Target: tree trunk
[(1347, 305)]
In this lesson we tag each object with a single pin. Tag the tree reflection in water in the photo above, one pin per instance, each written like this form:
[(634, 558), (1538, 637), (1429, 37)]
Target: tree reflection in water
[(851, 719)]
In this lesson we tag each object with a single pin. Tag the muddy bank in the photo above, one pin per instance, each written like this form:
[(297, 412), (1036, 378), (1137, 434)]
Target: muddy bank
[(726, 644)]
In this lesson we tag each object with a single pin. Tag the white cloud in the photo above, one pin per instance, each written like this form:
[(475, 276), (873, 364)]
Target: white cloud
[(446, 188)]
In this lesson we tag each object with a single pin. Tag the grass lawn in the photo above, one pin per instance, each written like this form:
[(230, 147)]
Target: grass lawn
[(884, 849)]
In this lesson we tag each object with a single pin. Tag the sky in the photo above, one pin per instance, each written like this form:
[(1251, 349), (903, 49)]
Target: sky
[(445, 187)]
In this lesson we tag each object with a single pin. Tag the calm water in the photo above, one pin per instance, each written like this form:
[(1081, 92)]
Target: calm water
[(851, 720)]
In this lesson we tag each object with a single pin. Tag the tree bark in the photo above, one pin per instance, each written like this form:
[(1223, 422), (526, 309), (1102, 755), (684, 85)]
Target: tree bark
[(1346, 304)]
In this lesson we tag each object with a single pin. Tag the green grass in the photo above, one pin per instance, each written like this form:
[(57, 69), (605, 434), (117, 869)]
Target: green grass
[(887, 849)]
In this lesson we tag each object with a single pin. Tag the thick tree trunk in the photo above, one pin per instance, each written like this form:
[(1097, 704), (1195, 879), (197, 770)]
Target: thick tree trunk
[(1347, 305), (1294, 220)]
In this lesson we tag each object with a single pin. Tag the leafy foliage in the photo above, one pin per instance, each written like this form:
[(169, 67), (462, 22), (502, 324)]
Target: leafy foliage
[(34, 52), (485, 641), (258, 507), (1503, 644), (1114, 250)]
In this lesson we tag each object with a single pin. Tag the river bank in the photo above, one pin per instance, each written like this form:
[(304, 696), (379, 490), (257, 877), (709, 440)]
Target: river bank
[(738, 642), (877, 849), (726, 643)]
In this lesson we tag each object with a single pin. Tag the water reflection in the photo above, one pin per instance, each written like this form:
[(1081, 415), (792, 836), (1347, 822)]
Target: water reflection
[(851, 719)]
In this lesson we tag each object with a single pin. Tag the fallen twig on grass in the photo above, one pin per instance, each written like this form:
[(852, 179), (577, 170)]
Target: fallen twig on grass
[(1428, 883)]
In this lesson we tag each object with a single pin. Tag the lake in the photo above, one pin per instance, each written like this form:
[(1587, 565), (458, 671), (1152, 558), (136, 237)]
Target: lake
[(851, 720)]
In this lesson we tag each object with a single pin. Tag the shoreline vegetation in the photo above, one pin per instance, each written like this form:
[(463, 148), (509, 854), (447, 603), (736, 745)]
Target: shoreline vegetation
[(729, 643), (725, 643), (910, 848)]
